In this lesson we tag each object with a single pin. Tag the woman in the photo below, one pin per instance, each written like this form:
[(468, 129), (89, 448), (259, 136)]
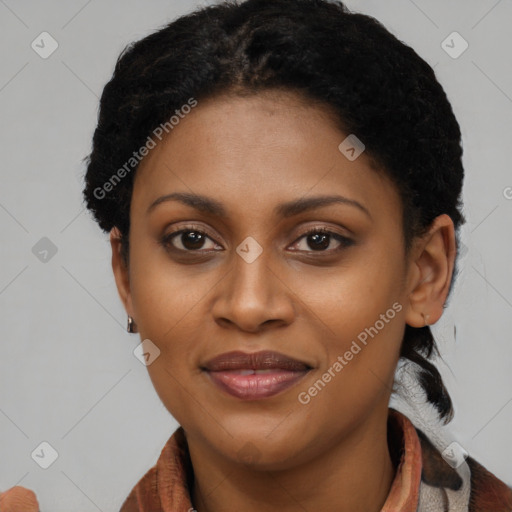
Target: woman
[(281, 182)]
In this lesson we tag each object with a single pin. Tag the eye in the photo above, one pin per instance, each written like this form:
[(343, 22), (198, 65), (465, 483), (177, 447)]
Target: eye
[(319, 239), (191, 239)]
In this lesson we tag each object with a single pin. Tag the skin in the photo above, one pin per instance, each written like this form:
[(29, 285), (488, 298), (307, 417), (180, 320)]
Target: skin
[(18, 498), (251, 154)]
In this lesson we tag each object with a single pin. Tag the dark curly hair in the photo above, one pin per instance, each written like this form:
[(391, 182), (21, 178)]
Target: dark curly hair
[(376, 86)]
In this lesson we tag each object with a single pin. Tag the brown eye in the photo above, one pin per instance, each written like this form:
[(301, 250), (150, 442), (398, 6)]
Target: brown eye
[(187, 240), (318, 240), (192, 239)]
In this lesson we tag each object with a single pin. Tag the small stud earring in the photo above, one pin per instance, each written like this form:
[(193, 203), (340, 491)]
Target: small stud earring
[(131, 325), (425, 319)]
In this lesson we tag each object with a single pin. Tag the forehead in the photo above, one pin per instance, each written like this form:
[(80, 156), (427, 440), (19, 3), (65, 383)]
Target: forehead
[(255, 152)]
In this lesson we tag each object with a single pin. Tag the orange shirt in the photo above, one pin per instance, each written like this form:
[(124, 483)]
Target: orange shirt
[(424, 480)]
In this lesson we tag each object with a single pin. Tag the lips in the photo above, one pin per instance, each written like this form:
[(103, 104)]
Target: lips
[(264, 360), (253, 376)]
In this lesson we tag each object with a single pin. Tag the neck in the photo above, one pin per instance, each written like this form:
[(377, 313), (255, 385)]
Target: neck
[(355, 474)]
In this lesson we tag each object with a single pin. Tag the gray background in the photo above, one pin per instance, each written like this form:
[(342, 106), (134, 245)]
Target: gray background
[(67, 372)]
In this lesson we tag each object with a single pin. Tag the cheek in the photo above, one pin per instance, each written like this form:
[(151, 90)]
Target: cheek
[(362, 317), (165, 295), (351, 297), (358, 374), (167, 307)]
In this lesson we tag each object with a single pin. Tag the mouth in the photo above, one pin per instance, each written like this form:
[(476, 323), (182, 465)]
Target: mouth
[(255, 376)]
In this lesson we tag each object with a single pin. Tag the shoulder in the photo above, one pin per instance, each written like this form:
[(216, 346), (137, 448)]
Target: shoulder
[(487, 490), (144, 496), (478, 488), (165, 485)]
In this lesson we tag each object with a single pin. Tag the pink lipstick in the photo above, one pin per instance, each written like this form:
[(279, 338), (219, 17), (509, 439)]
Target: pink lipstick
[(255, 376)]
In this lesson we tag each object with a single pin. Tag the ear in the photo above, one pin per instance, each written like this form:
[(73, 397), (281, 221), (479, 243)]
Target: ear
[(430, 273), (121, 272)]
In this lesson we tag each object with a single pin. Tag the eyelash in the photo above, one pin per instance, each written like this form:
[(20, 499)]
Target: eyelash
[(345, 242)]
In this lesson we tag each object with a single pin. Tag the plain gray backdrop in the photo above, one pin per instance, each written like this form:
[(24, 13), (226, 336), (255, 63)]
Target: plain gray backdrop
[(68, 376)]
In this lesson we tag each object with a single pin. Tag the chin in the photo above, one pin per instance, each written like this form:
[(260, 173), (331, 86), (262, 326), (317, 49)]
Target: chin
[(264, 446)]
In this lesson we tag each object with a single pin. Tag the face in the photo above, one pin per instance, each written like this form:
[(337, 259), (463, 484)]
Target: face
[(244, 270)]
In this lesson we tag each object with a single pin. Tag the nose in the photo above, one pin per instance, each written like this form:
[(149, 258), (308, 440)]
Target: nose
[(253, 296)]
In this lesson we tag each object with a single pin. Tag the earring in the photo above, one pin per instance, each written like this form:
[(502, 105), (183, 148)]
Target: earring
[(131, 328), (425, 319)]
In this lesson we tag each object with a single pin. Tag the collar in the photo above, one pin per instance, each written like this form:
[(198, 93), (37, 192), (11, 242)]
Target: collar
[(404, 492), (166, 486)]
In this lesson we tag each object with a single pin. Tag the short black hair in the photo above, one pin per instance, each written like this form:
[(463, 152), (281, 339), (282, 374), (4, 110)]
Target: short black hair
[(378, 88)]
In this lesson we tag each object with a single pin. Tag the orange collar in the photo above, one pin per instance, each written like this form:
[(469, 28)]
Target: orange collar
[(403, 494), (165, 486)]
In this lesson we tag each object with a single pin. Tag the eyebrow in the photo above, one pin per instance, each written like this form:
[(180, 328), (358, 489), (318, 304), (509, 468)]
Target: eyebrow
[(212, 206)]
